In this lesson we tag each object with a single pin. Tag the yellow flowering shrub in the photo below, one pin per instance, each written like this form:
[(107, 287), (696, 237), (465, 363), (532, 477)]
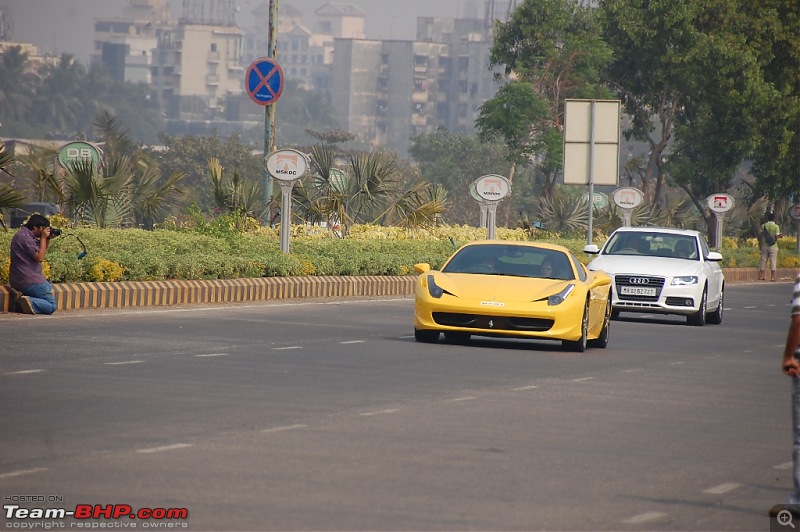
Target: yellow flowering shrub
[(105, 270)]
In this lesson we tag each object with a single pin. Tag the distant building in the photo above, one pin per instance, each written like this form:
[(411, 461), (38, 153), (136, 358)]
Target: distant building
[(383, 91), (388, 91)]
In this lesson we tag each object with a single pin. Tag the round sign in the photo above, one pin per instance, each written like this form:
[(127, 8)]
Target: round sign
[(720, 202), (492, 187), (473, 191), (287, 165), (794, 212), (264, 81), (628, 197), (78, 151)]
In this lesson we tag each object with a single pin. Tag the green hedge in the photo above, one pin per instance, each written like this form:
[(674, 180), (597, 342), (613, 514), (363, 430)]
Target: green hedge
[(138, 255)]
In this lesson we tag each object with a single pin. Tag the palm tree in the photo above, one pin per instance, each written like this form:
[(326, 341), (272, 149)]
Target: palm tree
[(16, 85), (57, 102), (151, 196), (9, 197), (100, 196)]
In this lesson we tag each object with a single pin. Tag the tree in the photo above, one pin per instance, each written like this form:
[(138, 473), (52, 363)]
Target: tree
[(551, 50), (58, 99), (368, 189), (17, 86)]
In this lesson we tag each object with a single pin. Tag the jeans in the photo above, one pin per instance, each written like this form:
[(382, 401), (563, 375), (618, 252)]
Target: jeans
[(41, 296)]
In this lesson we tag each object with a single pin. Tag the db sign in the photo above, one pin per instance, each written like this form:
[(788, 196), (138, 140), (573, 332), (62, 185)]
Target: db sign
[(78, 151), (492, 187), (720, 202), (287, 165)]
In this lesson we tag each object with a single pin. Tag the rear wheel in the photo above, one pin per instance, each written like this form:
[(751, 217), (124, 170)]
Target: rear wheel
[(716, 316), (426, 336), (579, 345), (698, 319), (602, 340)]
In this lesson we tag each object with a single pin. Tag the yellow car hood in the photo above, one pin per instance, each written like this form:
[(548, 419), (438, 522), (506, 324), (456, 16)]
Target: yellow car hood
[(498, 287)]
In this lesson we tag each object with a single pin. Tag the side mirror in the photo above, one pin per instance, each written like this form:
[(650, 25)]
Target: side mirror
[(591, 249), (421, 268), (713, 256)]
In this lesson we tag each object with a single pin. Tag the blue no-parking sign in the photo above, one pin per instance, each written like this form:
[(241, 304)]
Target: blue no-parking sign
[(264, 81)]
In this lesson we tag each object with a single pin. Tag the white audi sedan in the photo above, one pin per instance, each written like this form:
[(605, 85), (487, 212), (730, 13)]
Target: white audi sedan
[(662, 271)]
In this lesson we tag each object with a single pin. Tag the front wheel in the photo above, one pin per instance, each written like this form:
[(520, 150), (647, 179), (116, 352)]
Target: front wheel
[(579, 345), (698, 319), (457, 337), (426, 336), (602, 340), (716, 316)]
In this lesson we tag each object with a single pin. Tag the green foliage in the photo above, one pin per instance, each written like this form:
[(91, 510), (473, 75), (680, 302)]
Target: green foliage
[(137, 255)]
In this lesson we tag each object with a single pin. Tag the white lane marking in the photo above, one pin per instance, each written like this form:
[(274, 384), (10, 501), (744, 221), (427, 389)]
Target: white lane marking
[(287, 348), (381, 412), (750, 307), (644, 518), (406, 336), (288, 427), (676, 363), (584, 379), (633, 370), (524, 388), (23, 472), (722, 488), (468, 398), (124, 363), (785, 465), (214, 355), (164, 448), (353, 342), (24, 372)]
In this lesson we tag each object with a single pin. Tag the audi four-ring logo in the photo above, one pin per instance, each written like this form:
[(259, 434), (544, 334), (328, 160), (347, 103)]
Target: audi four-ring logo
[(639, 280)]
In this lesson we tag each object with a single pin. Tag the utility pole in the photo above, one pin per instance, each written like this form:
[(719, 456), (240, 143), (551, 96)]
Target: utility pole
[(269, 110)]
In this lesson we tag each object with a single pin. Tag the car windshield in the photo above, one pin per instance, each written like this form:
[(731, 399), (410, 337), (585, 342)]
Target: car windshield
[(517, 261), (652, 244)]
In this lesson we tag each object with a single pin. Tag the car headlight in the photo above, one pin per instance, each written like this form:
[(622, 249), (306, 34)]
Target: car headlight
[(434, 289), (684, 281), (557, 299)]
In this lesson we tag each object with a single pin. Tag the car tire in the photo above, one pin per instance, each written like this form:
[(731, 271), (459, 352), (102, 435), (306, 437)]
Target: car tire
[(602, 340), (457, 337), (698, 319), (715, 317), (615, 314), (426, 336), (579, 345)]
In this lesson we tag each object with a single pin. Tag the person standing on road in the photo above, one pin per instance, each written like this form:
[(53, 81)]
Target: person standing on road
[(791, 367), (768, 237), (28, 248)]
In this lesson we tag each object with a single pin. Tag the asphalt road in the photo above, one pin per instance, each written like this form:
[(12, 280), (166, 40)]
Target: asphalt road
[(327, 415)]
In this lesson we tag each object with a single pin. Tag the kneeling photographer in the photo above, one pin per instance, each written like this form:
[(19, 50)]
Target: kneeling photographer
[(28, 249)]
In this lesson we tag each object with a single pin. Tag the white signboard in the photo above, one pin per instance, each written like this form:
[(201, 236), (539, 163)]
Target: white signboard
[(628, 197), (720, 202), (794, 212), (287, 165), (591, 124), (492, 187)]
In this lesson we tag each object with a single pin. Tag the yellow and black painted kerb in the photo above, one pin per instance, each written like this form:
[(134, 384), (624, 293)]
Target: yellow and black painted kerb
[(80, 296)]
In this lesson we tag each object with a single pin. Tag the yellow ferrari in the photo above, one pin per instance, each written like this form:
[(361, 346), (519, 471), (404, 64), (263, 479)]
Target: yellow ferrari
[(513, 289)]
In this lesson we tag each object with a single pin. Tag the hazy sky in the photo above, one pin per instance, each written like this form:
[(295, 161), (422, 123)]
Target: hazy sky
[(67, 25)]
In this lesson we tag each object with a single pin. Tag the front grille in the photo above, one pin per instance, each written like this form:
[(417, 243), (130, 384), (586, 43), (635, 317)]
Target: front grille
[(638, 281), (498, 323)]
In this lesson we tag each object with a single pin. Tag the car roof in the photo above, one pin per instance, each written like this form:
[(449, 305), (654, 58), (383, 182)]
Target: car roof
[(666, 230)]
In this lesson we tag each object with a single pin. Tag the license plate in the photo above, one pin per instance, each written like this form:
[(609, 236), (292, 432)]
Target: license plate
[(637, 291)]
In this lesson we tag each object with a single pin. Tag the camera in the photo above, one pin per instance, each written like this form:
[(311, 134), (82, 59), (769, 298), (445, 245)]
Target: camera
[(54, 231)]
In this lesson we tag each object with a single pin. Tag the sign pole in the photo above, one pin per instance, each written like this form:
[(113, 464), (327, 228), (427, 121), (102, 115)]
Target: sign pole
[(589, 229), (269, 110)]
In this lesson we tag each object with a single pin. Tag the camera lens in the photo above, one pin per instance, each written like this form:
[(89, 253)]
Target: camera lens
[(55, 232)]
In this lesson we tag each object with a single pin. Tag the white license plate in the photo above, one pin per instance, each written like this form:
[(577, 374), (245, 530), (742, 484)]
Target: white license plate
[(637, 291)]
